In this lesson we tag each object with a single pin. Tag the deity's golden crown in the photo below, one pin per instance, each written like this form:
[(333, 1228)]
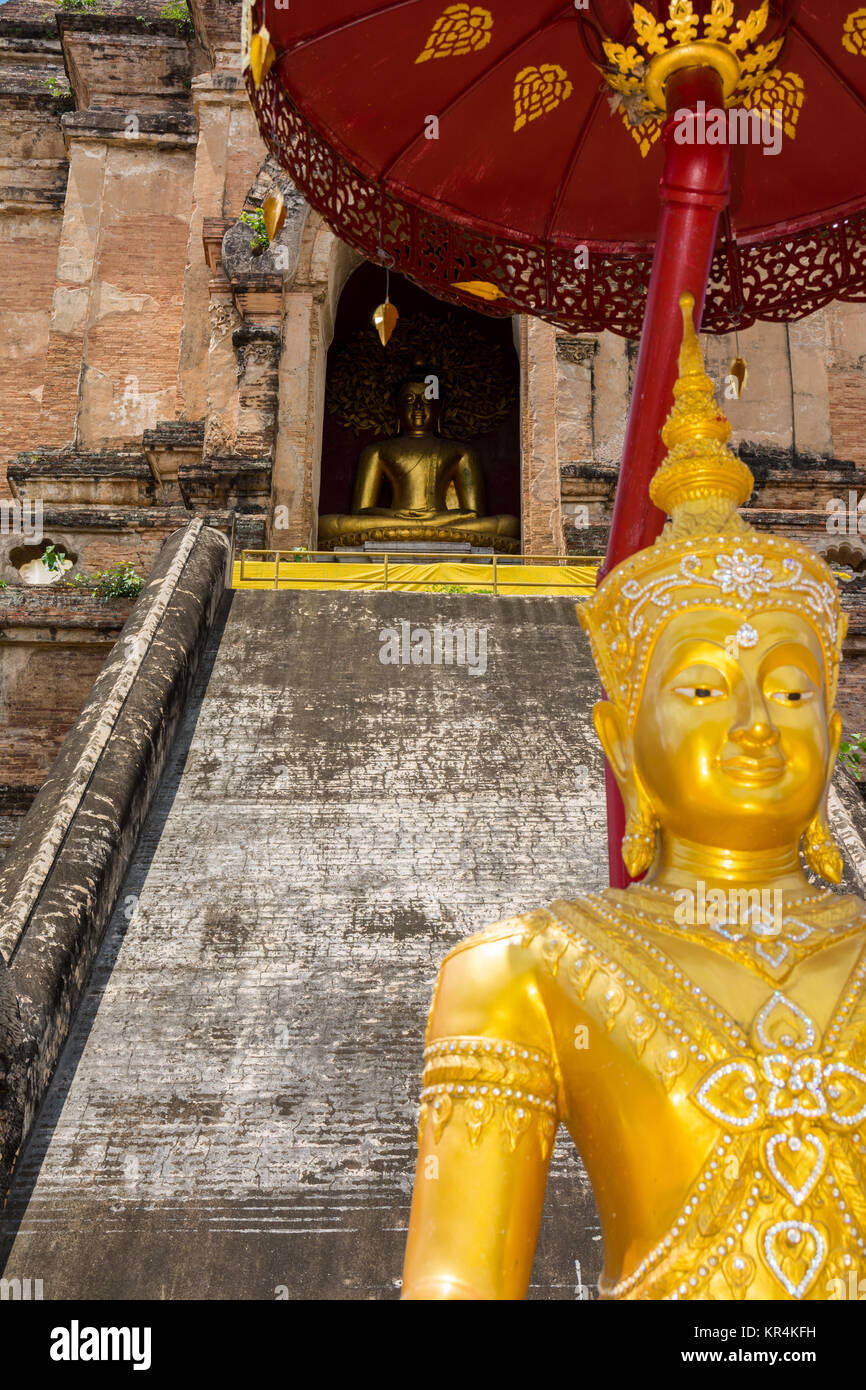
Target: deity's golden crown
[(707, 556)]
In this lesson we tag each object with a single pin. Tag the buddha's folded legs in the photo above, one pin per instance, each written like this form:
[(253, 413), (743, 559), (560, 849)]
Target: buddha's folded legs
[(373, 524), (494, 525)]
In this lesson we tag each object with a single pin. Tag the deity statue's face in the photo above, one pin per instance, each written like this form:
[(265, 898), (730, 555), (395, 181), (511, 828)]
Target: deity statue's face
[(731, 742), (418, 414)]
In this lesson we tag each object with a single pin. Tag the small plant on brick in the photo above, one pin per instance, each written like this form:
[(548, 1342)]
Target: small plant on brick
[(54, 559), (118, 581), (179, 12), (64, 100), (256, 222), (77, 6), (851, 755)]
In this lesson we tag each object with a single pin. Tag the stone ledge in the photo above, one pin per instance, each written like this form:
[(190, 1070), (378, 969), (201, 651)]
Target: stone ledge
[(771, 464), (60, 463), (169, 446), (22, 44), (30, 30), (768, 517), (227, 464), (767, 466), (112, 518), (32, 199), (104, 481), (230, 481), (47, 605), (166, 129), (830, 473), (604, 472), (224, 88), (59, 881), (102, 520), (26, 91), (174, 434), (143, 17)]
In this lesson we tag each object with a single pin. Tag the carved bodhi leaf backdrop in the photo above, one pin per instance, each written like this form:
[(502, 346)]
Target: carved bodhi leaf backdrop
[(475, 383)]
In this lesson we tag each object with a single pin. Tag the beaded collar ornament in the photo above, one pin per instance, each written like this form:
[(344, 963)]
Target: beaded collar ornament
[(707, 556)]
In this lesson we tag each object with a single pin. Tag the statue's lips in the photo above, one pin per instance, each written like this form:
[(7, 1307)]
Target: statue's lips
[(753, 772)]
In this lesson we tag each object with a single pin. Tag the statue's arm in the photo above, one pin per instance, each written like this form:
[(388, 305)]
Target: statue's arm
[(489, 1116), (369, 479), (469, 484)]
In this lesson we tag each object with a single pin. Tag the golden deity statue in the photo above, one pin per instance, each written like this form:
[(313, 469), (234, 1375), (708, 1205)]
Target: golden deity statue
[(421, 465), (702, 1034)]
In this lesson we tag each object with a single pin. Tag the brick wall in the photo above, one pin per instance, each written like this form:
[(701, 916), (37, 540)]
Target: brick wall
[(52, 647)]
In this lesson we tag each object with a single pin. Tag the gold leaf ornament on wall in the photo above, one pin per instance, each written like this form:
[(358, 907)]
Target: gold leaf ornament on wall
[(539, 90), (477, 388), (461, 29)]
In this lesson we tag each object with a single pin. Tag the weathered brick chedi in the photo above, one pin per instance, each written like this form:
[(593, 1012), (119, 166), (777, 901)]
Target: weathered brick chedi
[(324, 825)]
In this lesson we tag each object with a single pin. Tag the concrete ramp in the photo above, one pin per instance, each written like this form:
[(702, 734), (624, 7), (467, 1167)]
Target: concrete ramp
[(233, 1115)]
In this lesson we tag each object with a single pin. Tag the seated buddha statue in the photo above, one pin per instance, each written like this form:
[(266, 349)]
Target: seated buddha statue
[(421, 465), (709, 1065)]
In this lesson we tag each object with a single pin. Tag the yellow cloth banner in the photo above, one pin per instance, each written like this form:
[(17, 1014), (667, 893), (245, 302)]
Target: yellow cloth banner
[(574, 581)]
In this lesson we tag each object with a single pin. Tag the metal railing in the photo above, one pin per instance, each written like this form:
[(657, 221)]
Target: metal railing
[(230, 558), (389, 560)]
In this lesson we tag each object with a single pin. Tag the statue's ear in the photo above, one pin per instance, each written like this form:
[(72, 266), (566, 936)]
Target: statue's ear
[(610, 725), (835, 729)]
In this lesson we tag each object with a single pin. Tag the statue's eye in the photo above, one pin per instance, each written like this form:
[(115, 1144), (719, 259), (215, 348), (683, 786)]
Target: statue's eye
[(791, 697), (700, 692)]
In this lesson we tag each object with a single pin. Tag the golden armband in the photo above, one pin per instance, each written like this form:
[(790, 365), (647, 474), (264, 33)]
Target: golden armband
[(490, 1080)]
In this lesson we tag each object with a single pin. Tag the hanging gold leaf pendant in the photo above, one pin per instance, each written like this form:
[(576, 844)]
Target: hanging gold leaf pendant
[(262, 55), (274, 213), (482, 289), (385, 318), (740, 373)]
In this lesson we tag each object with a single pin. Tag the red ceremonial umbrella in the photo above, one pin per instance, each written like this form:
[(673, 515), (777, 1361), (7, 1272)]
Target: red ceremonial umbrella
[(514, 157)]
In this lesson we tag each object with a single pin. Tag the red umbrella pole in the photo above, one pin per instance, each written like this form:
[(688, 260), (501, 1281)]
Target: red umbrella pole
[(695, 188)]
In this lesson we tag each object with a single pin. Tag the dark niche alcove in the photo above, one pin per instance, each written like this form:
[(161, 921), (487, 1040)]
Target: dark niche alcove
[(472, 354)]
